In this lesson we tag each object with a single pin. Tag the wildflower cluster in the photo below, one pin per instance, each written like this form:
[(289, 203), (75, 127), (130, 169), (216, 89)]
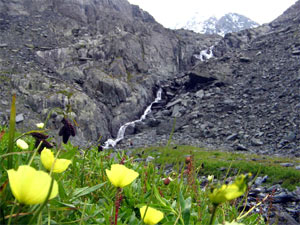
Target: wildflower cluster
[(30, 186), (97, 190)]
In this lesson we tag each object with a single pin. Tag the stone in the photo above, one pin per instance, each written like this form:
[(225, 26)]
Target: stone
[(284, 198), (149, 158), (287, 164), (256, 142), (200, 94), (176, 111), (4, 102), (260, 180), (169, 105), (296, 52), (274, 188), (291, 136), (19, 118), (288, 219), (244, 59), (240, 147), (232, 137)]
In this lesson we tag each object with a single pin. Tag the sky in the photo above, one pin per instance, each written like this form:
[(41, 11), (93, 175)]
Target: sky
[(172, 12)]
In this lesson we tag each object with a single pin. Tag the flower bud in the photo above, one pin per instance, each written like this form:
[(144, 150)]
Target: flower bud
[(188, 159), (167, 181), (22, 144)]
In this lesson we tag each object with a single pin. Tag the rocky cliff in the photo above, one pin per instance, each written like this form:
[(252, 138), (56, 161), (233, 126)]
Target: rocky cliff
[(245, 98), (108, 55)]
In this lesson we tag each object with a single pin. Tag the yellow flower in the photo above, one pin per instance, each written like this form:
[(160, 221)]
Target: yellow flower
[(30, 186), (40, 125), (153, 216), (22, 144), (120, 175), (48, 158), (230, 191)]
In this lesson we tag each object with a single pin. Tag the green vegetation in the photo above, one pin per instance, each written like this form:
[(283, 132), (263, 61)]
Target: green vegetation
[(215, 162), (96, 189), (87, 197)]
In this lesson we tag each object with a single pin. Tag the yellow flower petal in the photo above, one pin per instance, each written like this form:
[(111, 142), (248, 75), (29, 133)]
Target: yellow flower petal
[(61, 165), (230, 191), (153, 216), (22, 144), (30, 186), (40, 125), (48, 159), (120, 175)]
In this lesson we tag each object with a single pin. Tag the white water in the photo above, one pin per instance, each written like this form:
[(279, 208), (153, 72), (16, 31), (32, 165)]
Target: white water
[(205, 54), (121, 132)]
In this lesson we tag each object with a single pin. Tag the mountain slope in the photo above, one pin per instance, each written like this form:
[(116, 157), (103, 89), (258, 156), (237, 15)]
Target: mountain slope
[(245, 98), (109, 55), (231, 22)]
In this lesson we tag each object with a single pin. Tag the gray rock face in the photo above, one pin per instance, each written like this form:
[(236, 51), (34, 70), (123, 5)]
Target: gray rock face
[(245, 98), (109, 55)]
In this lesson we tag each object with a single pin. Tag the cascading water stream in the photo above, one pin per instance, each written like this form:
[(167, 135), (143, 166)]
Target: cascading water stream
[(205, 54), (121, 132)]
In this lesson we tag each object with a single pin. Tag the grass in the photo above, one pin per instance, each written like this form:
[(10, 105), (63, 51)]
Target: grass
[(215, 162), (87, 197)]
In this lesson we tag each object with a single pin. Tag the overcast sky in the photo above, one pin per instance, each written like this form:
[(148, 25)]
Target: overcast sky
[(172, 12)]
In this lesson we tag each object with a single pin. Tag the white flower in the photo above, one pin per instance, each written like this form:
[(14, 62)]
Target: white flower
[(40, 125), (210, 178), (22, 144)]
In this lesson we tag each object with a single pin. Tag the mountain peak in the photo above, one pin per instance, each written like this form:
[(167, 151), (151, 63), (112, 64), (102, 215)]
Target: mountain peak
[(230, 22)]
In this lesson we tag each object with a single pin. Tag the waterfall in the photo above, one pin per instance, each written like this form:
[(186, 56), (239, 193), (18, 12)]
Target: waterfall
[(205, 54), (121, 132)]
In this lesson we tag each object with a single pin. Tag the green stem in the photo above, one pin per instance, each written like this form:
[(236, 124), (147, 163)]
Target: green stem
[(49, 217), (213, 215), (11, 212), (82, 167), (82, 215), (34, 153), (11, 133)]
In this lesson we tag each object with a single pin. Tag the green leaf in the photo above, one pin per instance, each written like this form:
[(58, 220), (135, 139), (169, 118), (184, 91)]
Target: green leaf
[(62, 192), (159, 198), (70, 153), (186, 205), (79, 192), (174, 204)]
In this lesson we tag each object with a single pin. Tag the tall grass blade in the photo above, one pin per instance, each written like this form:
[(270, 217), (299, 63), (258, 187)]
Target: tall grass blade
[(11, 132)]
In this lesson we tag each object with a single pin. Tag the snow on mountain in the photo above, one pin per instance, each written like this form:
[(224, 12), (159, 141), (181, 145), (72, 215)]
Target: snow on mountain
[(230, 22)]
